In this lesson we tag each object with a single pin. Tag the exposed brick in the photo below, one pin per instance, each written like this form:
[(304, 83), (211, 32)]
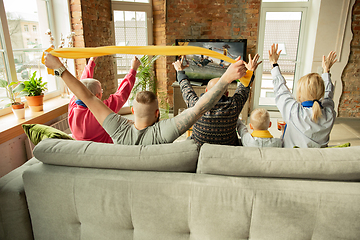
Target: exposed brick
[(349, 101)]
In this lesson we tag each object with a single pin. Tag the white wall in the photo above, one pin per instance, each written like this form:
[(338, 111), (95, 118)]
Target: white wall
[(15, 152), (333, 33)]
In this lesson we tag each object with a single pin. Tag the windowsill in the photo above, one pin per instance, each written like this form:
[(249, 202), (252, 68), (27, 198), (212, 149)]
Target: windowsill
[(10, 126)]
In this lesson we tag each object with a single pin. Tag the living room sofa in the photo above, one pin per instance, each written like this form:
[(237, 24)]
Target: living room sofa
[(86, 190)]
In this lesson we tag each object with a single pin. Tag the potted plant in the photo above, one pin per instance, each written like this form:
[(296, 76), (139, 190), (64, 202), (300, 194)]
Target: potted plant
[(13, 93), (33, 91), (145, 76)]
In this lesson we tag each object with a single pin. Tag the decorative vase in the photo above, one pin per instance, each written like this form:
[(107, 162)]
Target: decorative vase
[(35, 102), (18, 110)]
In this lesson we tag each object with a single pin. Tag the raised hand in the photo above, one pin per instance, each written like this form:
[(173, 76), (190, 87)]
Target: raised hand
[(183, 57), (253, 64), (178, 65), (273, 54), (135, 63), (235, 71), (329, 61), (52, 62)]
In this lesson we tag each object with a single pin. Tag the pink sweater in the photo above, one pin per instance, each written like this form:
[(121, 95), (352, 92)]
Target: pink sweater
[(82, 122)]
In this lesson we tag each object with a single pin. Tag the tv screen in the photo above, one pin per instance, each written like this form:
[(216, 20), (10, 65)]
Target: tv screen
[(203, 68)]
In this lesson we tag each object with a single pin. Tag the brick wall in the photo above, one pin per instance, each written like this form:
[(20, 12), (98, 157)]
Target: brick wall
[(205, 19), (159, 33), (92, 23), (349, 102)]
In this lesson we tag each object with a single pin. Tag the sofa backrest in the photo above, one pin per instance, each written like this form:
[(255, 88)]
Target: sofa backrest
[(88, 203), (172, 157), (304, 163)]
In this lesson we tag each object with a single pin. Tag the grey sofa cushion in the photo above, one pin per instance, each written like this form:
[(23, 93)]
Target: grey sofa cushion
[(310, 163), (173, 157)]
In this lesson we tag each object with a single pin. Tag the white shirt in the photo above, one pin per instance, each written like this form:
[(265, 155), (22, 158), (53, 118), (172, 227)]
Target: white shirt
[(248, 140), (301, 130)]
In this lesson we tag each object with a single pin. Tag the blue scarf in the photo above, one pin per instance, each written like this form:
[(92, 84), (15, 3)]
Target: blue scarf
[(310, 103), (81, 103)]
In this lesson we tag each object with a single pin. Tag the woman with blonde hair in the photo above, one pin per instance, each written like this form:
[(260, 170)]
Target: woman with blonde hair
[(310, 117)]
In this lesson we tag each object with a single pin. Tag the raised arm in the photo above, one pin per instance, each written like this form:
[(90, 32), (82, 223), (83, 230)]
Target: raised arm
[(96, 106), (187, 118), (188, 93), (327, 63), (89, 69), (242, 93), (118, 99), (284, 99)]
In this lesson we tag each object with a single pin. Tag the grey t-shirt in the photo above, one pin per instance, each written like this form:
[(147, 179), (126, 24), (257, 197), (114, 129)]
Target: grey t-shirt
[(123, 132)]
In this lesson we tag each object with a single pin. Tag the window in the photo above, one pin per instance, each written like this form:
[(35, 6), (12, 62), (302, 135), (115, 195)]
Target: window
[(282, 24), (21, 50), (130, 30), (133, 27)]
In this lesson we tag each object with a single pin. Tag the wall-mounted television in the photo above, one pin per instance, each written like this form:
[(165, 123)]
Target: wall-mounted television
[(203, 68)]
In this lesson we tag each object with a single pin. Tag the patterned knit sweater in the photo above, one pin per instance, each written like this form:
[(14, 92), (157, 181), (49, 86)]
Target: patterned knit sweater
[(217, 126)]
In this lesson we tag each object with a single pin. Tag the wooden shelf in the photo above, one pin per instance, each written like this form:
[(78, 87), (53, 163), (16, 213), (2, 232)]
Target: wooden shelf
[(10, 126)]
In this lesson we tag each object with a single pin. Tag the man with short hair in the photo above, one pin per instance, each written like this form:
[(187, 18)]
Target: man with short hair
[(146, 129)]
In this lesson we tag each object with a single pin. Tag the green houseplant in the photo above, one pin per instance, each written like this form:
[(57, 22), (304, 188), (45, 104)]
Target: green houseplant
[(33, 91), (146, 80), (13, 91), (145, 76)]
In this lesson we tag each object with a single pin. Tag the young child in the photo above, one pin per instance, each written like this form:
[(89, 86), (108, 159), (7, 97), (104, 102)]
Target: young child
[(260, 137), (309, 119)]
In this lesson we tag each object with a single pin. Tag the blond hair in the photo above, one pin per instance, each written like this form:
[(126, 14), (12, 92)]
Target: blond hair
[(311, 88), (260, 119)]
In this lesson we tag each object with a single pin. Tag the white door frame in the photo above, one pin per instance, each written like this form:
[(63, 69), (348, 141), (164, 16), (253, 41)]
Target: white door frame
[(280, 7)]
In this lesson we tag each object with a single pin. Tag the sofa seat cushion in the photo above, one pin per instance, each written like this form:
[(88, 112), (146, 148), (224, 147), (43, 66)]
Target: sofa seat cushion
[(309, 163), (173, 157)]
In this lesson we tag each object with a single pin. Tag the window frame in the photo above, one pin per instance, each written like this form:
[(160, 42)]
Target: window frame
[(134, 6), (281, 7), (50, 7)]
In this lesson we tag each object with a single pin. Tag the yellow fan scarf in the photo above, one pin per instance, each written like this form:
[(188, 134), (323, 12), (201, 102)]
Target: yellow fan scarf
[(261, 134), (76, 53)]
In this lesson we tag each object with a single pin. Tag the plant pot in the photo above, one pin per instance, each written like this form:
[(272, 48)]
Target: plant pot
[(35, 102), (18, 110)]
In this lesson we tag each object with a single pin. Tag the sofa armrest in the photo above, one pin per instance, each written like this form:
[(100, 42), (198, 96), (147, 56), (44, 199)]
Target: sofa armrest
[(15, 220)]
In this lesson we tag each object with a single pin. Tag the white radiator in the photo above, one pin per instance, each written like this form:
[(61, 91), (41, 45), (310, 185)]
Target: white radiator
[(62, 125)]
